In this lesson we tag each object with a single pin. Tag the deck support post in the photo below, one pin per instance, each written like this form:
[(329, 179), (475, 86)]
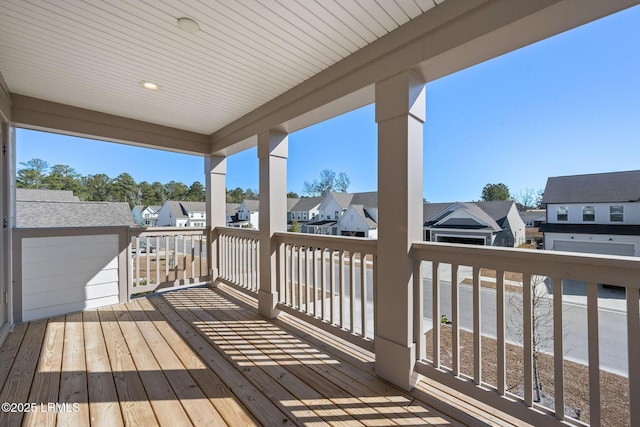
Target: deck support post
[(215, 172), (400, 114), (273, 150)]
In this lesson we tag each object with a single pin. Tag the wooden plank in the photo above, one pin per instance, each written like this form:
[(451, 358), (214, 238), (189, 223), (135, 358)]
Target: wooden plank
[(134, 403), (594, 354), (435, 314), (367, 398), (46, 381), (104, 409), (264, 410), (527, 330), (73, 379), (313, 396), (633, 332), (341, 303), (500, 341), (319, 372), (9, 350), (267, 385), (477, 329), (198, 403), (455, 321), (558, 349), (163, 399), (18, 383)]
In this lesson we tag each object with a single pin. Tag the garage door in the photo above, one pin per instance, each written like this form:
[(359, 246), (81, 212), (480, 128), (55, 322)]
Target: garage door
[(595, 248)]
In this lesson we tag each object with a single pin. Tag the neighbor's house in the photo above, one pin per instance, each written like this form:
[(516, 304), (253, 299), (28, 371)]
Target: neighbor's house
[(291, 202), (182, 214), (479, 223), (304, 209), (358, 221), (594, 213), (58, 208), (533, 219), (232, 213), (145, 215), (248, 214), (334, 205)]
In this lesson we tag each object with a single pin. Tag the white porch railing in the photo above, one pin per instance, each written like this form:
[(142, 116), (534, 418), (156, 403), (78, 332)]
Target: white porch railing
[(329, 281), (238, 250), (167, 257), (557, 269)]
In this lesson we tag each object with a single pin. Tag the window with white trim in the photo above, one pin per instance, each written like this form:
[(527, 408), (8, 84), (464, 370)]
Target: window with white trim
[(589, 213), (562, 213), (616, 213)]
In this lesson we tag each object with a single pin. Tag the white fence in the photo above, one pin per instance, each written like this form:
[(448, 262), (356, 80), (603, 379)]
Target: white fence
[(497, 266), (238, 258), (329, 281), (164, 258)]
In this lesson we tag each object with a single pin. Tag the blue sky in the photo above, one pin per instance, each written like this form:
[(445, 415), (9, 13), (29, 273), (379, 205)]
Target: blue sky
[(567, 105)]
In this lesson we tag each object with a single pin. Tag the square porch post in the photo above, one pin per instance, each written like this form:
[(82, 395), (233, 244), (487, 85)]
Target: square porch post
[(273, 150), (400, 114), (215, 172)]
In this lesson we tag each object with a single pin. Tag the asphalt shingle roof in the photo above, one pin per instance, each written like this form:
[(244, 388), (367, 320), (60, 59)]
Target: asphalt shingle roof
[(36, 214), (593, 188), (307, 203), (38, 195)]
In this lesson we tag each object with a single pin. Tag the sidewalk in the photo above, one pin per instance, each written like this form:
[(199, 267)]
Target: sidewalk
[(574, 292)]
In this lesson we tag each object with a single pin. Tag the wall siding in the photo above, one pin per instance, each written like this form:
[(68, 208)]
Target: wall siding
[(67, 274)]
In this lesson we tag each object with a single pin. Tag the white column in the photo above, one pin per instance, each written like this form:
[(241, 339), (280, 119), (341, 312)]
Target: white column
[(400, 114), (273, 149), (215, 172)]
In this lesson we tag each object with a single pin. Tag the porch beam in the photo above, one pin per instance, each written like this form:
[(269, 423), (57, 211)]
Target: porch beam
[(273, 150), (215, 172), (38, 114), (400, 114), (5, 101)]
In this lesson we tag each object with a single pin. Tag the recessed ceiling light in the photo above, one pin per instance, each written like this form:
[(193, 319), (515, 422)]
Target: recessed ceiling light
[(189, 25), (149, 85)]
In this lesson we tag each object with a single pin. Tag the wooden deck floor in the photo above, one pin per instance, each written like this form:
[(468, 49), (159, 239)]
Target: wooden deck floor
[(199, 356)]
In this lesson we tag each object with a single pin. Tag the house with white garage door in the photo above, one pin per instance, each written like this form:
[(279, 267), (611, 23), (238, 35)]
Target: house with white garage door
[(594, 213), (496, 223)]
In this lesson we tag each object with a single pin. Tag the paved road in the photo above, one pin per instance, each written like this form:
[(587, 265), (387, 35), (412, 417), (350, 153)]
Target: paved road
[(612, 324)]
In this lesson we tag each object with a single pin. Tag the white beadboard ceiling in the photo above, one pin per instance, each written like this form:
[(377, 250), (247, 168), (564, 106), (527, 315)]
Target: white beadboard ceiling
[(94, 53)]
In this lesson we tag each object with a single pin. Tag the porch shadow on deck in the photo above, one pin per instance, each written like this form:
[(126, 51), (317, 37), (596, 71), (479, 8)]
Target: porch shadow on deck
[(203, 356)]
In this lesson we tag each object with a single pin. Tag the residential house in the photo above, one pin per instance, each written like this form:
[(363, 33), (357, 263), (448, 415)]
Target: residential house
[(182, 214), (56, 208), (291, 202), (304, 209), (533, 219), (334, 205), (247, 214), (145, 215), (357, 221), (593, 213), (478, 223), (232, 212)]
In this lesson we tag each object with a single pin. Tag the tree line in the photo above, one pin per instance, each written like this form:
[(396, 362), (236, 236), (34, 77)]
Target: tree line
[(38, 174), (528, 198)]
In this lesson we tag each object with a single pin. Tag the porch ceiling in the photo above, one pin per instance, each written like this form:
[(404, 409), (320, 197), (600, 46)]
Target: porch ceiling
[(93, 54), (76, 66)]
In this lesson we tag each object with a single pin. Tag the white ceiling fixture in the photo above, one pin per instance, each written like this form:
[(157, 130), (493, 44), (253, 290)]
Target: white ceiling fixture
[(149, 85), (189, 25)]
